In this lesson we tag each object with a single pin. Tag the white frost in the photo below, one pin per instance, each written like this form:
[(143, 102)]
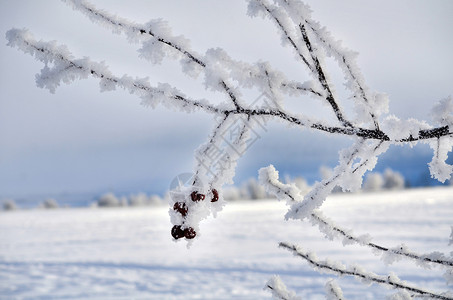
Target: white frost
[(333, 291), (279, 289), (442, 112), (438, 166)]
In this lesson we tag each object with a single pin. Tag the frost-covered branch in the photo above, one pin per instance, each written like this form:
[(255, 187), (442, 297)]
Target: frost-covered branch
[(388, 254), (279, 289), (322, 78), (345, 58), (289, 192), (159, 35), (293, 19), (283, 23), (367, 277), (333, 291), (372, 132), (348, 174), (157, 30), (67, 69)]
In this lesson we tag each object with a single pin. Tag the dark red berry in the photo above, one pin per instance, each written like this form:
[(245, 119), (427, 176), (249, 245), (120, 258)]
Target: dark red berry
[(181, 208), (196, 196), (177, 232), (189, 233), (215, 195)]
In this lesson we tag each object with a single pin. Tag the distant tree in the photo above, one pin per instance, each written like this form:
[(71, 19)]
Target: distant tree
[(142, 199), (138, 200), (393, 180), (108, 200), (50, 203), (9, 205), (371, 131), (232, 193), (390, 180), (373, 182), (253, 190), (155, 200)]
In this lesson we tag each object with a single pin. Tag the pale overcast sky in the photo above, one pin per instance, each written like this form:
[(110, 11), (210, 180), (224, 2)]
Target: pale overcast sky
[(81, 140)]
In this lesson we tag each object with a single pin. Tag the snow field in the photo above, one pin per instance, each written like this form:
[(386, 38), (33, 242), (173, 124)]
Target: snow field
[(128, 253)]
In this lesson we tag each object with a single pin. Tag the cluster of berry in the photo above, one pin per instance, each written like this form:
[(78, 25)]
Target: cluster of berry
[(178, 231)]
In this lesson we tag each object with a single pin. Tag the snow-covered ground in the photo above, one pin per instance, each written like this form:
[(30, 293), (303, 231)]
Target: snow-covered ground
[(128, 253)]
